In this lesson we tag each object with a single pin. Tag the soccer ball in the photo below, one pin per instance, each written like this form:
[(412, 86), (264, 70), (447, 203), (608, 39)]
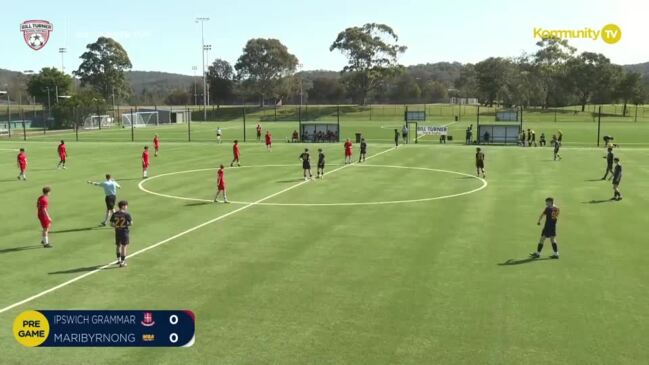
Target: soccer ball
[(36, 40)]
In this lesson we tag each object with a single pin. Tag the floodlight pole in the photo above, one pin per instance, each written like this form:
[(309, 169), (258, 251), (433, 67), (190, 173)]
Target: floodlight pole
[(62, 51), (194, 68), (202, 20)]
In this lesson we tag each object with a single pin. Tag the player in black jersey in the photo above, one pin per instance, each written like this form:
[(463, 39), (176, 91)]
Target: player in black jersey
[(121, 221), (321, 164), (361, 158), (609, 163), (306, 164), (617, 179), (479, 163), (556, 142), (551, 214)]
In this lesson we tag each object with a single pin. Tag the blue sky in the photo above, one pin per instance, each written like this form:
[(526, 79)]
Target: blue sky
[(162, 35)]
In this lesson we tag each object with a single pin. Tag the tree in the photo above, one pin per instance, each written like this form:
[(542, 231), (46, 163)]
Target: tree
[(492, 77), (630, 89), (263, 65), (73, 110), (326, 90), (405, 89), (103, 66), (433, 91), (549, 66), (220, 77), (52, 79), (587, 73), (467, 82), (372, 53), (178, 97)]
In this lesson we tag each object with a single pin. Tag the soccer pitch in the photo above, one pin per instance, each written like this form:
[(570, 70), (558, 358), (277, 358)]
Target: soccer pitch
[(406, 258)]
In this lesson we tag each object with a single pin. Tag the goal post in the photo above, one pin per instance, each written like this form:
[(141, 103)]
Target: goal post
[(94, 121), (139, 119)]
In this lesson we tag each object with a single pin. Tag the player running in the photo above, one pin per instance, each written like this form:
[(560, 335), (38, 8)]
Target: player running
[(22, 164), (321, 164), (396, 137), (306, 163), (361, 158), (220, 185), (609, 163), (219, 134), (63, 154), (479, 163), (551, 214), (348, 151), (145, 162), (556, 142), (121, 221), (617, 178), (258, 133), (236, 154), (42, 205), (110, 187), (269, 141), (156, 144)]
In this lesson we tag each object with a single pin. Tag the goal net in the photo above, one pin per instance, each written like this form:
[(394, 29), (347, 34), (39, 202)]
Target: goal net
[(4, 130), (96, 121), (139, 119)]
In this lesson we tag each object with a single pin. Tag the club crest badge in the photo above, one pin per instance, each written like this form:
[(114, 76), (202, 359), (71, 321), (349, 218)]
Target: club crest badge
[(36, 33)]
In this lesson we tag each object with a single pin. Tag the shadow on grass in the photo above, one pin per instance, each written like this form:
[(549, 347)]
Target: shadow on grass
[(593, 180), (526, 260), (81, 269), (196, 204), (77, 229), (130, 179), (599, 201), (289, 181), (21, 248)]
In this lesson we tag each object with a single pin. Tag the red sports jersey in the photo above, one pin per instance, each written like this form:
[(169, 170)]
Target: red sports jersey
[(22, 159), (62, 150), (235, 150), (348, 146), (145, 158), (269, 138), (220, 179), (156, 141), (42, 204)]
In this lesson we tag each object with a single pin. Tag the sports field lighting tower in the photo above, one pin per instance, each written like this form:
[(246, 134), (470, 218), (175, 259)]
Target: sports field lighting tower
[(194, 68), (63, 51), (202, 20), (207, 48)]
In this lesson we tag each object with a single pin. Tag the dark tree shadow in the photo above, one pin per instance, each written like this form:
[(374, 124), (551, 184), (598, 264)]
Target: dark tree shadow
[(17, 249), (81, 269), (526, 260)]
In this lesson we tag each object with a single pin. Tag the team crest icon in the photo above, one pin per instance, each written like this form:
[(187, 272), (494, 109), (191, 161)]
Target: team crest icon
[(36, 33), (148, 320)]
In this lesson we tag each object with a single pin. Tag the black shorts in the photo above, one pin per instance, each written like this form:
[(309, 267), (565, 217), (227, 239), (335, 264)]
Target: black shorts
[(121, 238), (306, 165), (321, 165), (110, 201), (549, 231), (363, 152), (479, 164)]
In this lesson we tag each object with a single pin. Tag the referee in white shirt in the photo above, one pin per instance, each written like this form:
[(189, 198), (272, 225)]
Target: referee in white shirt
[(110, 189)]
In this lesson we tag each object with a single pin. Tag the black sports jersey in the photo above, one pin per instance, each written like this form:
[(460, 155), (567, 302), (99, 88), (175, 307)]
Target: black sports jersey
[(121, 221), (305, 157), (609, 158), (551, 216), (321, 158), (557, 144), (479, 157), (363, 147), (617, 173)]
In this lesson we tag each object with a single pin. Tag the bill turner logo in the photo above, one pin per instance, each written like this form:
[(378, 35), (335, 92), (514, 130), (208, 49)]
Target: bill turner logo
[(36, 33), (610, 33)]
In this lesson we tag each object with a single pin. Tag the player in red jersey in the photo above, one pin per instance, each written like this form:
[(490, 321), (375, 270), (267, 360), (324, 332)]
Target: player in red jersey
[(220, 184), (22, 164), (237, 153), (156, 144), (43, 214), (63, 154), (145, 162), (348, 151), (269, 141)]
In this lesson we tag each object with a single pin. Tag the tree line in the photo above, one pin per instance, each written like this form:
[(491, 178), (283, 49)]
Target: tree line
[(267, 73)]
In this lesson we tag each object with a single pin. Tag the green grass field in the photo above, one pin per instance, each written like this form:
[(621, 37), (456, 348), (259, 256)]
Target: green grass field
[(406, 258)]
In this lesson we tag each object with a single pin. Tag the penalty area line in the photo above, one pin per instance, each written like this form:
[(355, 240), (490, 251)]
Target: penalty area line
[(166, 240)]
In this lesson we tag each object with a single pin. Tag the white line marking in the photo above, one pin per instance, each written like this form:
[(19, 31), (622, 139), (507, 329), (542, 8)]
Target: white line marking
[(66, 283), (484, 185)]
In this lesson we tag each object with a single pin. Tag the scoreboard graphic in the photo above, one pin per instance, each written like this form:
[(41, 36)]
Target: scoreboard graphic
[(132, 328)]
